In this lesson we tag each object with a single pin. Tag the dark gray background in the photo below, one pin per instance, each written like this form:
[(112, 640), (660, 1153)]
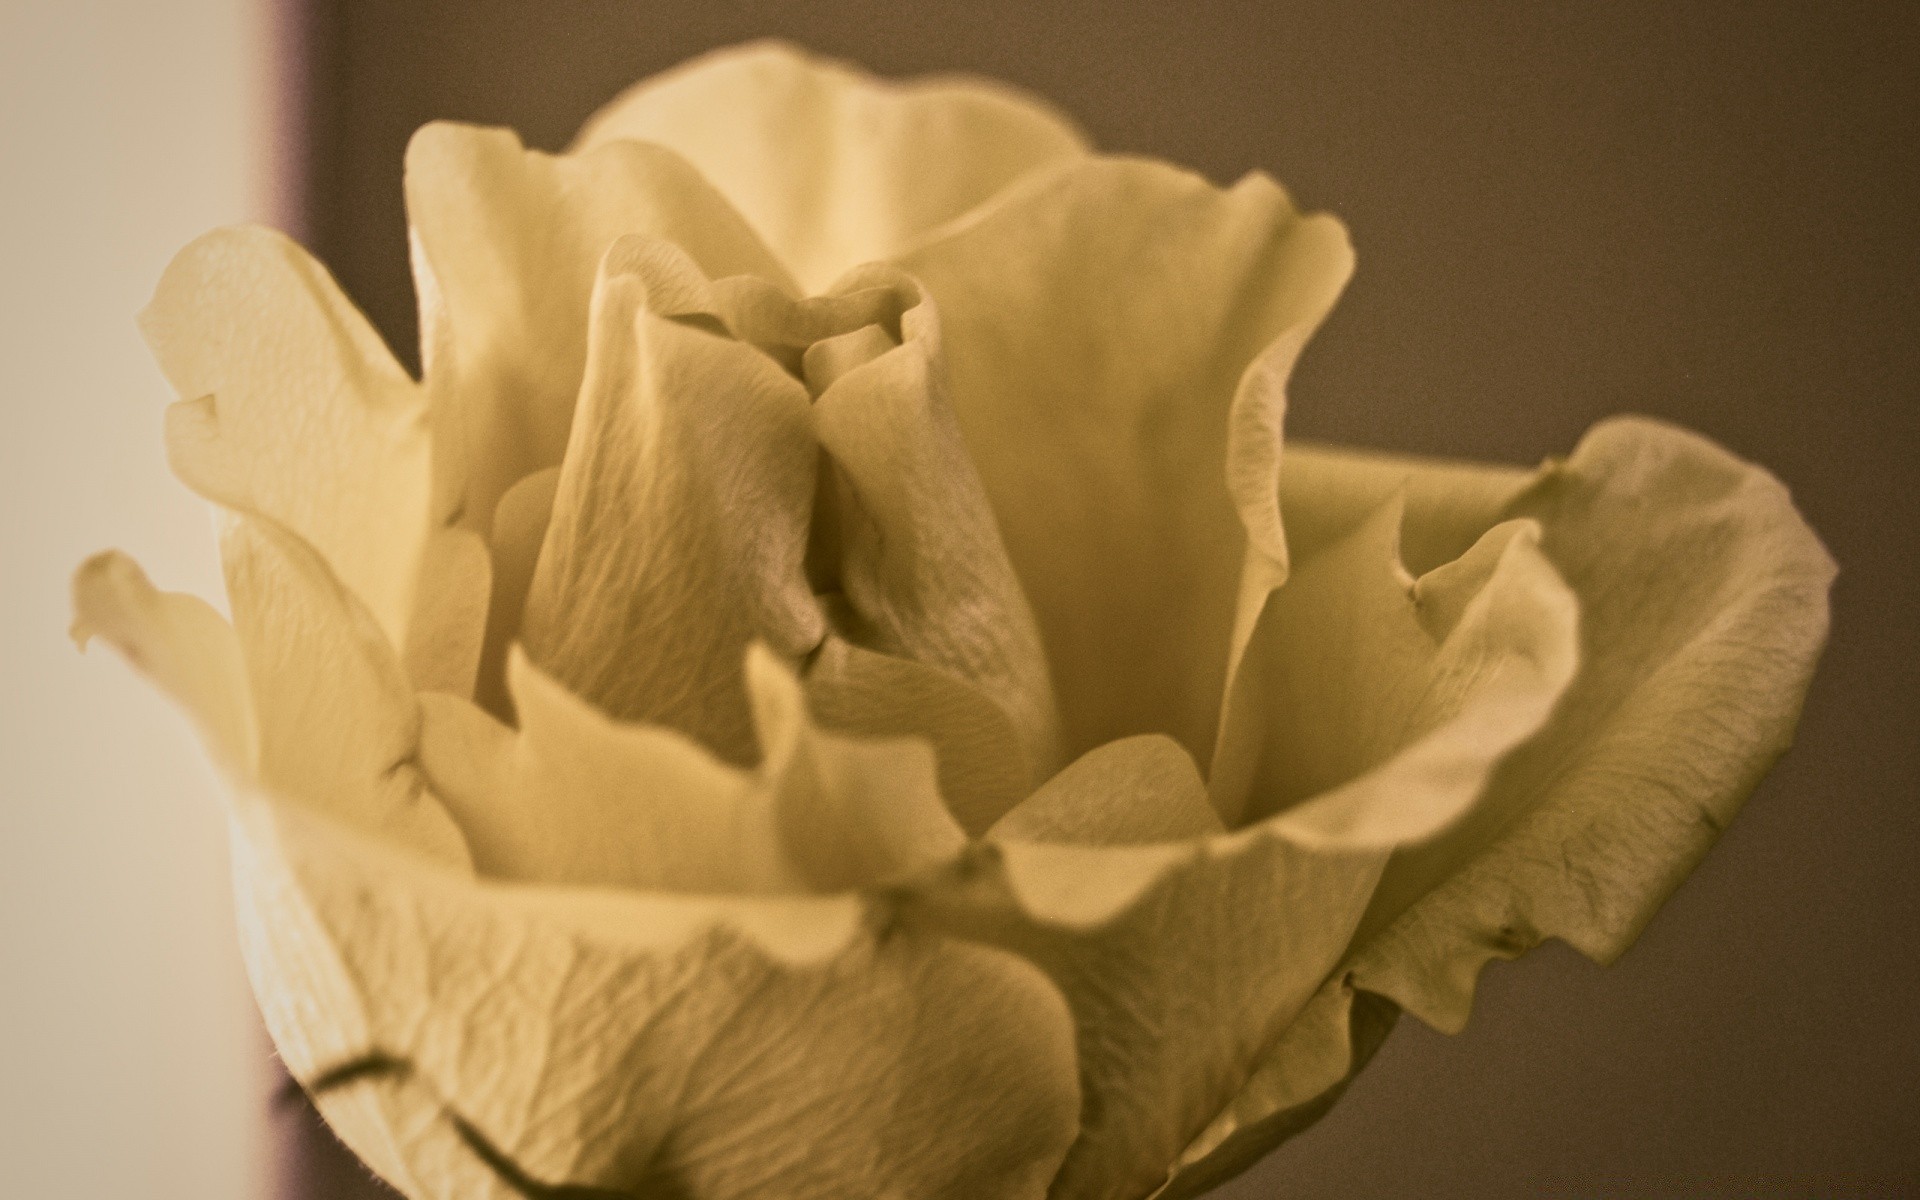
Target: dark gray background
[(1705, 212)]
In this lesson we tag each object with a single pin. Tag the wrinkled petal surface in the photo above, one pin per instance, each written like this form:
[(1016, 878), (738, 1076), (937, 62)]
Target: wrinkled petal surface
[(1703, 598), (921, 561), (680, 524), (488, 1040), (1184, 960)]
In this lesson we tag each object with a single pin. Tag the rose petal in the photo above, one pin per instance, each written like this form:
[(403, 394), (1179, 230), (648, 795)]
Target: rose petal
[(833, 166), (679, 530), (1134, 791), (573, 797), (853, 812), (1704, 606), (1299, 1078), (1169, 1023), (513, 543), (1351, 661), (448, 630), (292, 408), (576, 798), (981, 766), (920, 558), (337, 716), (486, 1040), (1328, 491), (506, 244), (1705, 602), (1097, 323), (179, 642)]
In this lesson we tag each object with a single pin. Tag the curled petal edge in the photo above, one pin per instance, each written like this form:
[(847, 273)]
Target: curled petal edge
[(1428, 959)]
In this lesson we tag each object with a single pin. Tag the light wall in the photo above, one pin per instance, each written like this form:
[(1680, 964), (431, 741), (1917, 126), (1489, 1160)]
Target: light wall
[(130, 1061)]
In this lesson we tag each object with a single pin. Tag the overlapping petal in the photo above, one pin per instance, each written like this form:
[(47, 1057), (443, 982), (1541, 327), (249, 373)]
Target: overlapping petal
[(680, 524), (292, 408), (1705, 596), (921, 560), (1184, 959), (338, 720), (573, 797), (486, 1039), (1704, 606), (799, 462), (1098, 322), (492, 1040), (178, 641), (506, 245), (833, 166)]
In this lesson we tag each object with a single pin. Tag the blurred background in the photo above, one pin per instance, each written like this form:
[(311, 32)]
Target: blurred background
[(1702, 212)]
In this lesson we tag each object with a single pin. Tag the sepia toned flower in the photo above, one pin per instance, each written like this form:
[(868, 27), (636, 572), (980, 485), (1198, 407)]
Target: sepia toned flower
[(830, 685)]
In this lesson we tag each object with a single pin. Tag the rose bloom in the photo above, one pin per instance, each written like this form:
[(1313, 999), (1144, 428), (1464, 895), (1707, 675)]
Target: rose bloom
[(830, 685)]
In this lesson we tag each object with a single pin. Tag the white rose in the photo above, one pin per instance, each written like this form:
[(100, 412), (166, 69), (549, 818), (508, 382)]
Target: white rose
[(830, 686)]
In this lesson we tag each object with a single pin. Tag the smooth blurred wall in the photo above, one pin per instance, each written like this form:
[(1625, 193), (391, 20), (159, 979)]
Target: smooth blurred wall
[(131, 1065)]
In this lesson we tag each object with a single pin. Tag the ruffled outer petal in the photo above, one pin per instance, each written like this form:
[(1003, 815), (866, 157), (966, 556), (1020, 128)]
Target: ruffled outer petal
[(1705, 601), (833, 166), (1099, 320), (178, 641), (1704, 608), (338, 720), (475, 1040), (1185, 960), (292, 408)]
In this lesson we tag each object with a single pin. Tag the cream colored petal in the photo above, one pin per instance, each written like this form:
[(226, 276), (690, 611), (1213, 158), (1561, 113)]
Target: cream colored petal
[(679, 528), (852, 812), (1354, 659), (506, 244), (490, 1040), (573, 797), (1137, 790), (518, 528), (1300, 1077), (1184, 961), (1326, 491), (860, 691), (1180, 962), (339, 725), (179, 642), (833, 166), (1704, 606), (919, 556), (1704, 597), (448, 629), (291, 407), (1098, 325)]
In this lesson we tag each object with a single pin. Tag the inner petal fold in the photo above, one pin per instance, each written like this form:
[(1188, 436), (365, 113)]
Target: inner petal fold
[(680, 520)]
